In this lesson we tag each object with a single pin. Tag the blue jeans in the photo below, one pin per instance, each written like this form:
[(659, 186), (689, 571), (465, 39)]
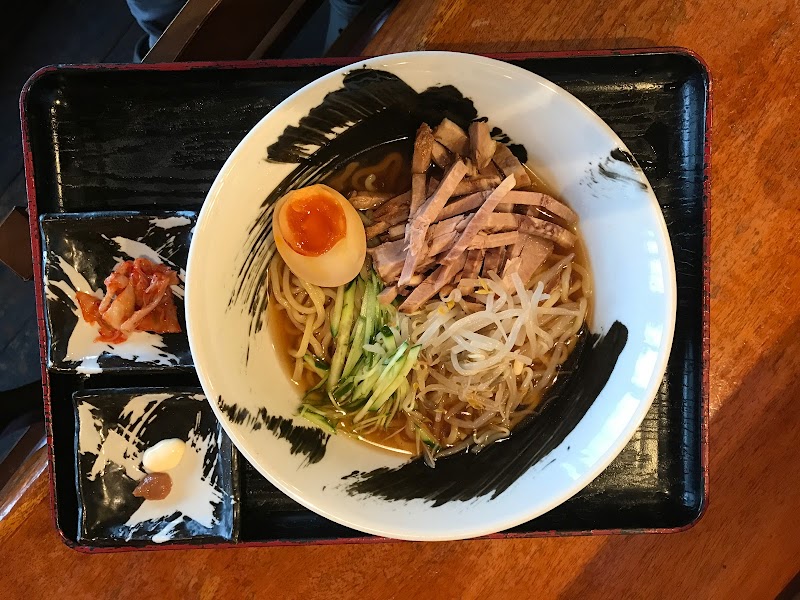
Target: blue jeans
[(342, 13), (154, 15)]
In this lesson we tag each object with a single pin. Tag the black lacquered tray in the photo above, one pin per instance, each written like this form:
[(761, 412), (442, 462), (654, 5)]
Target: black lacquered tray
[(150, 139)]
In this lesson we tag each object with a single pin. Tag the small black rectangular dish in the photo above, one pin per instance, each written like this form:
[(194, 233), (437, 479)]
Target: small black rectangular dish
[(80, 251), (114, 428), (134, 137)]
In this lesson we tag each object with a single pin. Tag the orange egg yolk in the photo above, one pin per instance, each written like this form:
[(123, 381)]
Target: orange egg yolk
[(316, 224)]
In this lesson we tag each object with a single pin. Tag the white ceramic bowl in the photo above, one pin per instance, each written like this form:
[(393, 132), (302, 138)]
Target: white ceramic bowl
[(629, 252)]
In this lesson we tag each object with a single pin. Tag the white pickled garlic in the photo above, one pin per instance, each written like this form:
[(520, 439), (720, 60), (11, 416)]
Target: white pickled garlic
[(163, 456)]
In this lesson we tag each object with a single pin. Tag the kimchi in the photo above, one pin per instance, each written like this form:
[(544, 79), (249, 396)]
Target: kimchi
[(138, 298)]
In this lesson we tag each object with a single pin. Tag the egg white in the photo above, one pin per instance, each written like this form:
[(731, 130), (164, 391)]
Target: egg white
[(342, 262)]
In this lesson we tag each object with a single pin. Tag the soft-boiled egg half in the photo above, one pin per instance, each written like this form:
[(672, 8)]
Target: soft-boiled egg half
[(319, 235)]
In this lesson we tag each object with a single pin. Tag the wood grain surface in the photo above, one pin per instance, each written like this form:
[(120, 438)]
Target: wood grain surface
[(748, 543)]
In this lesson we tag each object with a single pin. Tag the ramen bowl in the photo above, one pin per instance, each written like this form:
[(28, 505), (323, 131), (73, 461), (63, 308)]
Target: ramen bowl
[(583, 423)]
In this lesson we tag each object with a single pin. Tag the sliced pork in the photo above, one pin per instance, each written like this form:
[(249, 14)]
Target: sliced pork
[(493, 261), (480, 219), (547, 230), (484, 241), (431, 285), (510, 165), (395, 232), (544, 202), (533, 253), (452, 137), (388, 259), (418, 191), (441, 156), (463, 205), (482, 146), (479, 184), (423, 146), (398, 203), (426, 214), (490, 170), (466, 221), (383, 224), (388, 295), (473, 264)]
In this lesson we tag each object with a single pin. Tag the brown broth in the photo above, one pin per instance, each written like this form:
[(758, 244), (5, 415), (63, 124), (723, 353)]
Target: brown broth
[(399, 443), (285, 339), (393, 177)]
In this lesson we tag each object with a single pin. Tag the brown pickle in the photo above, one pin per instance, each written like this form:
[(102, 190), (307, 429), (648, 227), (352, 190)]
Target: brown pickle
[(154, 486)]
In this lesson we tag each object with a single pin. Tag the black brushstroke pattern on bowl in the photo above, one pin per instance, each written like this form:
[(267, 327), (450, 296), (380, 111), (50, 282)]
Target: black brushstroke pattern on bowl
[(379, 110), (106, 503), (83, 240), (302, 439)]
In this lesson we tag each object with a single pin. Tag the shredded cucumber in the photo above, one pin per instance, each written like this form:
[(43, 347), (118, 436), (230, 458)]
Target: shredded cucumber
[(425, 435), (343, 390), (388, 339), (367, 379), (368, 383), (318, 388), (336, 314), (319, 366), (393, 366), (391, 369), (369, 309), (317, 418), (343, 336), (356, 346), (365, 326), (400, 377)]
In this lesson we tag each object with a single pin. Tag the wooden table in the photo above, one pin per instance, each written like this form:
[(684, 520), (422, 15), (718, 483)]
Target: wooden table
[(748, 543)]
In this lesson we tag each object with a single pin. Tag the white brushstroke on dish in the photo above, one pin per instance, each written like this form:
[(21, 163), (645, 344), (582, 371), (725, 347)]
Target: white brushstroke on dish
[(170, 222)]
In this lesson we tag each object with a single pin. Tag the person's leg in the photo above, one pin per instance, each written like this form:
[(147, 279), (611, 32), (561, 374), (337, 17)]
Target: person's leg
[(342, 13), (153, 16)]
